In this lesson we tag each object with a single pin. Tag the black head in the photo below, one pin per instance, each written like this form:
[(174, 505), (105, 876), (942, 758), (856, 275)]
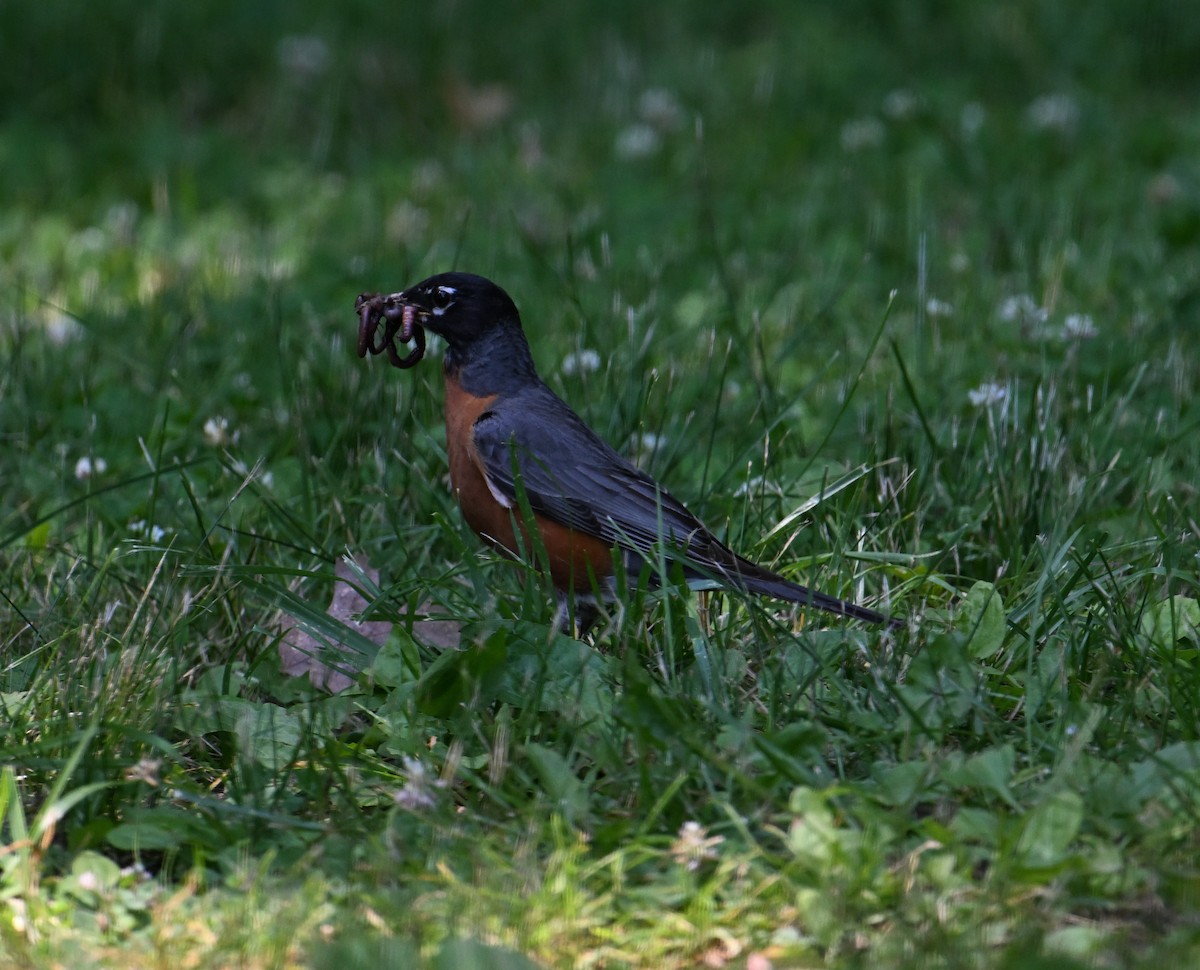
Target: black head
[(487, 352), (462, 307)]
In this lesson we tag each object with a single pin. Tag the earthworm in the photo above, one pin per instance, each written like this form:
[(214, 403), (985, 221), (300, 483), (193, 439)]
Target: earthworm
[(401, 321)]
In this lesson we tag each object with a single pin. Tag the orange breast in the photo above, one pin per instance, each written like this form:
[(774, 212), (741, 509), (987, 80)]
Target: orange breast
[(574, 557)]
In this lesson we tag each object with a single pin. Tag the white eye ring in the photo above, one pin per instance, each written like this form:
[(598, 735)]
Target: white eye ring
[(442, 299)]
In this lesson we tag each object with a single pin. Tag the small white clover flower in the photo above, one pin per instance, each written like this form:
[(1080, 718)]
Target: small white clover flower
[(694, 846), (1023, 309), (302, 55), (420, 788), (939, 308), (971, 119), (61, 328), (120, 220), (660, 108), (137, 871), (141, 527), (638, 141), (20, 914), (1079, 326), (647, 444), (899, 104), (93, 239), (987, 395), (87, 466), (407, 223), (1164, 189), (757, 485), (147, 770), (862, 133), (279, 268), (584, 361), (1054, 112), (216, 431)]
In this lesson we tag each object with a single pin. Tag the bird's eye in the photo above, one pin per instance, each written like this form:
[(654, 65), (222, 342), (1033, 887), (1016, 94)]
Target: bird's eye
[(438, 299)]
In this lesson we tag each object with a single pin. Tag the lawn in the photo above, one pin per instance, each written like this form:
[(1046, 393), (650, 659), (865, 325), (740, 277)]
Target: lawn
[(902, 298)]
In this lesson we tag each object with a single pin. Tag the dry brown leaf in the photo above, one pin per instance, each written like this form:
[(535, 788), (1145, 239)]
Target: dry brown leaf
[(300, 653), (438, 634), (477, 108)]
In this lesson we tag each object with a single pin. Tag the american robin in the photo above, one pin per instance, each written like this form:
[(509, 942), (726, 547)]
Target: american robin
[(512, 440)]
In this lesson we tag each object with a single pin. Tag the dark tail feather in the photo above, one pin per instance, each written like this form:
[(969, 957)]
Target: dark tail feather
[(755, 579)]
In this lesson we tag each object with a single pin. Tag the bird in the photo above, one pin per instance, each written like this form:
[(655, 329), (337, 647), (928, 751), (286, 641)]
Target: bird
[(520, 457)]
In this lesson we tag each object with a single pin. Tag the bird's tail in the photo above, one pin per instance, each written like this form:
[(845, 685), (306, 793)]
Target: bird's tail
[(755, 579)]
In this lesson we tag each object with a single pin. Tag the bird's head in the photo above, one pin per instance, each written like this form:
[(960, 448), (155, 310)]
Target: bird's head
[(461, 307), (476, 318)]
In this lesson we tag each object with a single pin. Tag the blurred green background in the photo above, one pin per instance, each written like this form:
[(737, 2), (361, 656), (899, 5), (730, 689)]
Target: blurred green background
[(758, 246)]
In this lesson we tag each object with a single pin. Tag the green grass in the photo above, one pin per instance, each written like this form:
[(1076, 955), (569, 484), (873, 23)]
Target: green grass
[(797, 257)]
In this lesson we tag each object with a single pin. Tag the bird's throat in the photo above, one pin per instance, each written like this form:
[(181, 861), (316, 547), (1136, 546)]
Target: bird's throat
[(497, 362)]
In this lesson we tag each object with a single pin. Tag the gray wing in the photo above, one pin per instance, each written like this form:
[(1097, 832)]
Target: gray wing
[(572, 476)]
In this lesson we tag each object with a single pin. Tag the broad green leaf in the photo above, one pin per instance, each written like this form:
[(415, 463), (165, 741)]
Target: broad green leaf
[(1171, 620), (38, 536), (91, 875), (990, 771), (1048, 830), (562, 788), (981, 618), (813, 836), (145, 837), (902, 784), (460, 954)]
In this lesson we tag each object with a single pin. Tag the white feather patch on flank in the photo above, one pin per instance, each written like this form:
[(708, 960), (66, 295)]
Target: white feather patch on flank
[(499, 496)]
